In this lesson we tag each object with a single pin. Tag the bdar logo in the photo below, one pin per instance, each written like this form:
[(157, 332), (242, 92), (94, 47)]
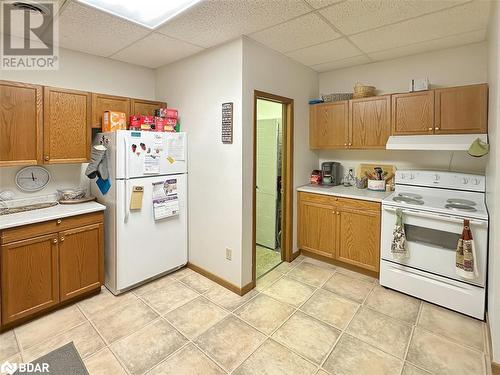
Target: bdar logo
[(8, 367)]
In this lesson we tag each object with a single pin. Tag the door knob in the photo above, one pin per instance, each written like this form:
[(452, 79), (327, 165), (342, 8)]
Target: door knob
[(62, 239), (54, 240), (58, 221), (46, 158)]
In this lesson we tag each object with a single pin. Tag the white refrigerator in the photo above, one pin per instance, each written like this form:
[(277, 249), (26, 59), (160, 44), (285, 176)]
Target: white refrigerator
[(143, 239)]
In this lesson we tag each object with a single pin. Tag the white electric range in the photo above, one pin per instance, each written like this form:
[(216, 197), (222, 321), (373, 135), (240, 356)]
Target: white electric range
[(434, 206)]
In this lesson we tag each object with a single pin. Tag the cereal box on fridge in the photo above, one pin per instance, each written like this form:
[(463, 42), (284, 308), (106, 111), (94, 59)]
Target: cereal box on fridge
[(113, 121)]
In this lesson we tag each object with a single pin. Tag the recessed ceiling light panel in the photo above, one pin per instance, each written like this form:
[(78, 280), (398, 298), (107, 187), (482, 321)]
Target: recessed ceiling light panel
[(148, 13)]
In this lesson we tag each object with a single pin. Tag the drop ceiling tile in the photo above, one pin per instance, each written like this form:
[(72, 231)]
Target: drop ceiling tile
[(339, 64), (213, 22), (86, 29), (466, 18), (155, 50), (355, 16), (295, 34), (431, 45), (325, 52), (317, 4)]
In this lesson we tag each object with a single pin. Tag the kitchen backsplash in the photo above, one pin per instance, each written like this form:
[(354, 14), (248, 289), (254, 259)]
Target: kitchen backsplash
[(457, 161), (62, 176)]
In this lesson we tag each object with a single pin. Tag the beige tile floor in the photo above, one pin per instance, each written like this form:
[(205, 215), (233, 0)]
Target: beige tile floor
[(304, 317)]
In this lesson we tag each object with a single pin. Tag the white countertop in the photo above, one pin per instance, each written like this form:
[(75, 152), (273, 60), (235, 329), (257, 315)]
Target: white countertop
[(346, 192), (50, 213)]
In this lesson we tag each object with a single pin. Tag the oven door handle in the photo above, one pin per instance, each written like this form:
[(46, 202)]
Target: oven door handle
[(436, 216)]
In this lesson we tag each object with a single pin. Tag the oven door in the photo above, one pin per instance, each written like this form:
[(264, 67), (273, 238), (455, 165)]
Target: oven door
[(431, 240)]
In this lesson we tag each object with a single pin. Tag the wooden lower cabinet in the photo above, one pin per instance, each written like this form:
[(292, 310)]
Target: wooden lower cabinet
[(80, 260), (347, 230), (42, 270), (319, 234), (29, 277), (359, 237)]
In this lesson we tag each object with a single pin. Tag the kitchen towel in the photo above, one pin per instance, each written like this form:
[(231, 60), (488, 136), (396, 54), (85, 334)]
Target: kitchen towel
[(398, 246), (466, 266), (98, 166)]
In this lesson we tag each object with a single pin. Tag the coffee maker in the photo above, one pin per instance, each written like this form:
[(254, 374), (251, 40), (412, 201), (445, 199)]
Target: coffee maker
[(330, 173)]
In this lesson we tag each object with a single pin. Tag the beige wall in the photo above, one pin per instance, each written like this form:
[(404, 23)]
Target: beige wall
[(197, 86), (80, 71), (272, 72), (450, 67), (493, 181)]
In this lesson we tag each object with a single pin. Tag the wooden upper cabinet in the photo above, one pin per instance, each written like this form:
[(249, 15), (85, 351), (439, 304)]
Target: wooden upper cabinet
[(413, 113), (102, 103), (81, 256), (145, 107), (462, 109), (359, 234), (329, 125), (369, 122), (20, 123), (67, 125), (29, 277)]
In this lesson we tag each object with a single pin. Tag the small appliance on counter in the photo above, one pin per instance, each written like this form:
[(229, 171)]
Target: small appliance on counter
[(331, 173)]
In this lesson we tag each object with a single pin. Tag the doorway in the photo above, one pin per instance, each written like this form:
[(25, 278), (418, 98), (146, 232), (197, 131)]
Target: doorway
[(272, 173)]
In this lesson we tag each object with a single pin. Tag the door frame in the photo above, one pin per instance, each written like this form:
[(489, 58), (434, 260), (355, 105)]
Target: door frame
[(286, 178)]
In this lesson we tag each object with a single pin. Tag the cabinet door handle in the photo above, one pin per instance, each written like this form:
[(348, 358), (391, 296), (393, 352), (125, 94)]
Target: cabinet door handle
[(345, 144), (59, 221), (62, 239), (46, 158), (54, 240), (430, 129), (350, 144), (436, 128)]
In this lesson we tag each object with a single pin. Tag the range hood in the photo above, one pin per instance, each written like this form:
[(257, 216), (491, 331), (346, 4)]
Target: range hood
[(452, 142)]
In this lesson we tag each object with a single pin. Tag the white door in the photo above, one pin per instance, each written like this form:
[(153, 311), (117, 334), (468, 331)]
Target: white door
[(146, 247), (267, 180)]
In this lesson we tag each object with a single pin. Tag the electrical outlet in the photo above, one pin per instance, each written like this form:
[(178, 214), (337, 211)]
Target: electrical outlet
[(229, 253)]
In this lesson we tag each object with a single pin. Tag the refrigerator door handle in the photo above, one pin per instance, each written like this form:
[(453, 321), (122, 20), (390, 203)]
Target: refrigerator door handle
[(126, 202), (127, 155)]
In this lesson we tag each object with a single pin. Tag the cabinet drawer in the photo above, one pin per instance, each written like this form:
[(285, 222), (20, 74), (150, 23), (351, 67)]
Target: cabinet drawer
[(50, 226), (317, 198), (357, 204)]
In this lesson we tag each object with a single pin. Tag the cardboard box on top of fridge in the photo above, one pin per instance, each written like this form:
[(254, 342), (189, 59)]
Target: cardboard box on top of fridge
[(164, 125), (113, 121), (166, 112)]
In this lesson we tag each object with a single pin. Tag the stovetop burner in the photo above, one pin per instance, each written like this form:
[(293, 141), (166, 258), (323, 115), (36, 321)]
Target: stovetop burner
[(410, 195), (464, 202), (404, 199), (460, 207)]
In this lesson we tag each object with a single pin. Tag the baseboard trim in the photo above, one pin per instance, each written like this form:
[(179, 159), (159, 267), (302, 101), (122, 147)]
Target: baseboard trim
[(222, 282), (340, 264), (296, 254)]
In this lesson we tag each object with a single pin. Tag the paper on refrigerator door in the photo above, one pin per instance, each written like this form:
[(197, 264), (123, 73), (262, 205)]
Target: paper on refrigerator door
[(165, 199), (151, 164), (175, 146)]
